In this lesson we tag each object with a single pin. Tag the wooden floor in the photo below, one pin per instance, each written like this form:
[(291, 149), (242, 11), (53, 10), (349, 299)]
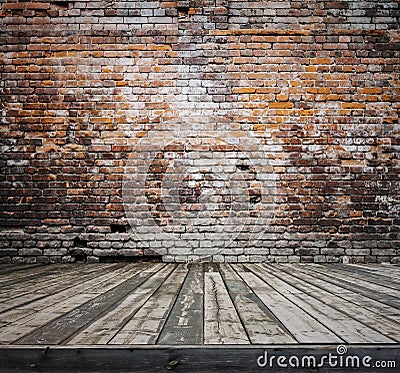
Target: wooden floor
[(199, 304)]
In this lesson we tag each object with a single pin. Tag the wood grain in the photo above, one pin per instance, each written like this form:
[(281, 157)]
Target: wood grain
[(199, 304), (222, 325), (148, 322), (300, 324), (260, 323), (346, 301), (184, 325), (102, 330), (347, 328)]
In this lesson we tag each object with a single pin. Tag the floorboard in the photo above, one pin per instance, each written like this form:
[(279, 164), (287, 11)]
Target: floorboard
[(222, 324), (184, 325), (300, 324), (260, 323), (199, 304), (39, 312), (359, 282), (147, 323), (345, 327), (58, 330), (102, 330), (354, 305), (388, 281), (238, 359), (18, 296)]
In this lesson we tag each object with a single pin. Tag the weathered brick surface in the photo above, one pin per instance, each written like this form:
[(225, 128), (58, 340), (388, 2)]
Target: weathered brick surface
[(309, 89)]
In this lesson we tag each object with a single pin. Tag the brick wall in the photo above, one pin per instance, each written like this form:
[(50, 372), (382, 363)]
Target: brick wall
[(215, 129)]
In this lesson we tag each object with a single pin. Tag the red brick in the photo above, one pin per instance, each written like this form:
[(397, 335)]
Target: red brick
[(309, 90)]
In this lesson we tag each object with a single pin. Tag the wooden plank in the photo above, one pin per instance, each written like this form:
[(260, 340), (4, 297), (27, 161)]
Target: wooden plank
[(348, 302), (102, 330), (386, 278), (13, 268), (348, 329), (260, 323), (184, 325), (382, 269), (39, 290), (14, 288), (372, 291), (57, 271), (35, 299), (358, 280), (68, 324), (300, 324), (20, 273), (146, 325), (191, 359), (56, 305), (222, 324), (22, 280)]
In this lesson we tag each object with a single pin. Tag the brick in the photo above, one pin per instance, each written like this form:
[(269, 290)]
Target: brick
[(244, 90), (87, 89), (280, 105), (30, 252)]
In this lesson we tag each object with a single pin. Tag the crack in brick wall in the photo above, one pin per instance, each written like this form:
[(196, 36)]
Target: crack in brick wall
[(315, 85)]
